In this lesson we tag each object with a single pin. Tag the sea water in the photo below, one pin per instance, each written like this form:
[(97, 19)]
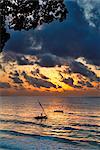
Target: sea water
[(77, 128)]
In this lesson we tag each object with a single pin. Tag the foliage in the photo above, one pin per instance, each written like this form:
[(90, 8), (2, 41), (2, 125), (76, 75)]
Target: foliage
[(28, 14)]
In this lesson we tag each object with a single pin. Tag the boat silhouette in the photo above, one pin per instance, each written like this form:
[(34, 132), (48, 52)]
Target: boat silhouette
[(41, 117), (59, 111)]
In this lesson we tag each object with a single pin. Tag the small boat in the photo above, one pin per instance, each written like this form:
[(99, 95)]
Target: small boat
[(41, 117), (59, 111)]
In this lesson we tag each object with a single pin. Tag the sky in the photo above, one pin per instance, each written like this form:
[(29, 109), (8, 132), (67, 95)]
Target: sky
[(56, 58)]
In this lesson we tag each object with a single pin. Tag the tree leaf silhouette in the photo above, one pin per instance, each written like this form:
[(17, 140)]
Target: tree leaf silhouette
[(28, 14)]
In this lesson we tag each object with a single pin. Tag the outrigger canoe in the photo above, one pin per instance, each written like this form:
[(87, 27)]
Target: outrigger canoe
[(59, 111), (41, 117)]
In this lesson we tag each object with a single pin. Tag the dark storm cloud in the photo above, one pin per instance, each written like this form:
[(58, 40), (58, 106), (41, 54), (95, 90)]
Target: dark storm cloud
[(4, 85), (73, 37), (59, 86), (16, 73), (37, 73), (97, 79), (49, 60), (81, 83), (88, 84), (78, 86), (16, 79), (38, 82), (69, 81), (22, 60), (24, 42), (43, 76), (77, 67)]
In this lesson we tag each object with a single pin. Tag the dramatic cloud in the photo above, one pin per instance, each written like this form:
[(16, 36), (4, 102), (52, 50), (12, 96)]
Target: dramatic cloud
[(38, 77), (4, 85), (69, 81), (38, 82), (16, 80), (22, 60), (81, 83), (37, 73), (43, 77), (58, 55), (88, 84), (72, 38), (78, 67), (19, 59), (16, 73), (78, 86), (91, 10), (50, 60)]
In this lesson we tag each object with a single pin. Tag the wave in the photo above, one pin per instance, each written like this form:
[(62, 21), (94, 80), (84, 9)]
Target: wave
[(73, 129), (42, 137), (25, 123), (63, 128), (86, 125), (6, 147), (16, 133), (81, 115), (94, 116)]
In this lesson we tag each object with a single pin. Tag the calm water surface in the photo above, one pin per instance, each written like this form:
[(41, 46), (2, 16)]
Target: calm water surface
[(78, 128)]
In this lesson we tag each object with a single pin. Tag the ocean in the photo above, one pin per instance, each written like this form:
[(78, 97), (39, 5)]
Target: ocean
[(77, 128)]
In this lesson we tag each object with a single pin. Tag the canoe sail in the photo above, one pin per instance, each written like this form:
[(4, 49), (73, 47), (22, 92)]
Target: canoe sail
[(42, 108)]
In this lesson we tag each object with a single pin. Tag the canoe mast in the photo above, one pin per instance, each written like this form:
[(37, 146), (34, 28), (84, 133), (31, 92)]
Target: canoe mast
[(42, 107)]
